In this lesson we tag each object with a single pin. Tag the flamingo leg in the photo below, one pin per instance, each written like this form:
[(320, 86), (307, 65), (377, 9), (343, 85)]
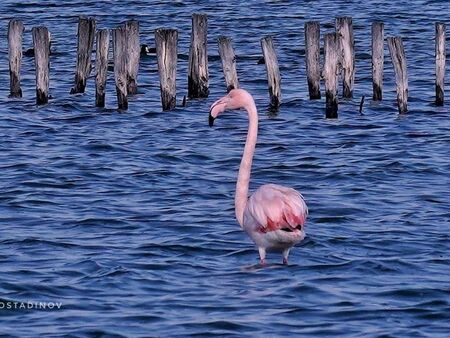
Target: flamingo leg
[(262, 255), (285, 256)]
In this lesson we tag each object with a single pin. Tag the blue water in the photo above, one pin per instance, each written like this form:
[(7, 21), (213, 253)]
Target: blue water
[(127, 219)]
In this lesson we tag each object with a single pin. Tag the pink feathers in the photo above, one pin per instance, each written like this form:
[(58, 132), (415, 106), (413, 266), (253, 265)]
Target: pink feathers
[(275, 207)]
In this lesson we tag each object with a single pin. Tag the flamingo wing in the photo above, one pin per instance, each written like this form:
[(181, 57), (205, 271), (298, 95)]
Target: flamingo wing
[(275, 207)]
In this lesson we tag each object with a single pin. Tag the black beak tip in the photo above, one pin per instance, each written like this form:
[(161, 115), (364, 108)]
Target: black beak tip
[(211, 120)]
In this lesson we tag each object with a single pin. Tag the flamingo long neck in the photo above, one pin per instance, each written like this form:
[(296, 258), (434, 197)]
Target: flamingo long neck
[(241, 197)]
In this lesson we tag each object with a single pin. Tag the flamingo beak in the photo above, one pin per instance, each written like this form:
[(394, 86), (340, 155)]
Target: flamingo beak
[(211, 119), (217, 107)]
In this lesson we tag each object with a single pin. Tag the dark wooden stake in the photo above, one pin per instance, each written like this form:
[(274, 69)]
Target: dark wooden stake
[(312, 42), (228, 58), (331, 50), (101, 66), (120, 45), (133, 51), (198, 78), (440, 62), (273, 72), (361, 105), (377, 60), (166, 41), (398, 57), (86, 33), (344, 29), (41, 43), (15, 31)]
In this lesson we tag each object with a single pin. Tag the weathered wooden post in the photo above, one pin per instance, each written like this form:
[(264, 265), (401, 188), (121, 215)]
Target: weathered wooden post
[(331, 50), (133, 51), (15, 31), (312, 43), (166, 41), (344, 29), (273, 72), (101, 66), (440, 62), (377, 60), (41, 44), (120, 45), (86, 33), (398, 57), (198, 78), (228, 58)]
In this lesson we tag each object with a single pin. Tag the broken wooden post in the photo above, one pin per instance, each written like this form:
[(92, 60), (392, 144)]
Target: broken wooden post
[(398, 57), (120, 45), (440, 62), (41, 44), (344, 29), (134, 52), (198, 78), (86, 32), (331, 49), (101, 66), (312, 49), (15, 31), (377, 60), (166, 41), (228, 58), (273, 72)]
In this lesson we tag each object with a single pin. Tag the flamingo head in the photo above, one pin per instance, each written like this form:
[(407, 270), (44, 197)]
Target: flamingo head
[(235, 99)]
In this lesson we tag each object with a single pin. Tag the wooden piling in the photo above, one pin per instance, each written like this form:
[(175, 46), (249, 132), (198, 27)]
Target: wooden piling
[(166, 41), (377, 60), (344, 29), (273, 71), (228, 58), (41, 44), (86, 33), (440, 62), (331, 48), (198, 78), (101, 66), (398, 57), (312, 44), (134, 52), (15, 32), (120, 45)]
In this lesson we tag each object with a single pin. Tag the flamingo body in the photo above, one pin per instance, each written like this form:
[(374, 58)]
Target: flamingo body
[(274, 216)]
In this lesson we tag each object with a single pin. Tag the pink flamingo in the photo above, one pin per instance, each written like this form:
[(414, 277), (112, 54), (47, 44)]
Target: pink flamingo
[(274, 216)]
